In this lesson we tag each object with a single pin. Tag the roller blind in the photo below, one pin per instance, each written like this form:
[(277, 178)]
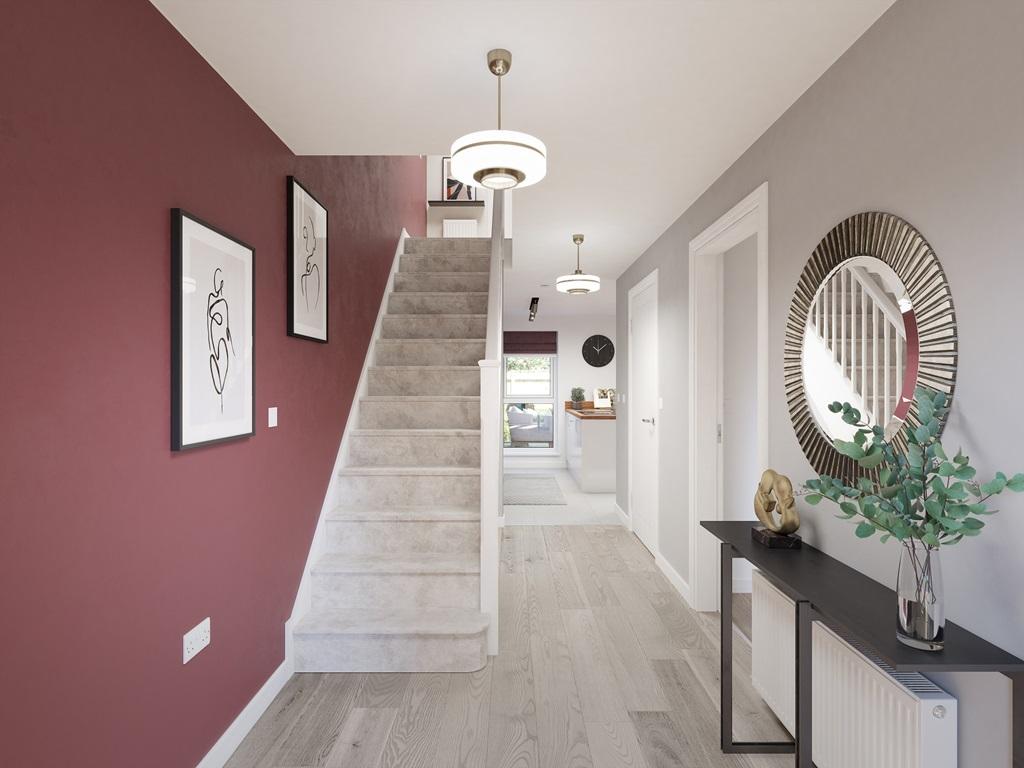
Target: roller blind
[(531, 342)]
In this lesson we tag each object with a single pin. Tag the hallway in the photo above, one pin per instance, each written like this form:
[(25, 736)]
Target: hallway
[(602, 664)]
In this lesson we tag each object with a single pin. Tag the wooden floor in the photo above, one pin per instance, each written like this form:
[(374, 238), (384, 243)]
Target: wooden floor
[(601, 664)]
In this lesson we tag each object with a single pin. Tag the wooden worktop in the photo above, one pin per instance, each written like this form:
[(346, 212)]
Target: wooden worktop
[(607, 415)]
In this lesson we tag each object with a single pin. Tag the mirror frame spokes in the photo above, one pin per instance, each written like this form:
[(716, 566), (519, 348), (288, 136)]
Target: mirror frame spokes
[(904, 249)]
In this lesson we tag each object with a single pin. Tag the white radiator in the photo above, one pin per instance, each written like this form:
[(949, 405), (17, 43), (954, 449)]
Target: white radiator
[(458, 228), (865, 714)]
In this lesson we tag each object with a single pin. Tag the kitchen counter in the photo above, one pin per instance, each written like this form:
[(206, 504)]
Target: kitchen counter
[(590, 454), (607, 414)]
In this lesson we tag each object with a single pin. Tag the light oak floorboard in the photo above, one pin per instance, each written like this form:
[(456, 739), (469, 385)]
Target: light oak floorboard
[(561, 734), (462, 737), (260, 747), (599, 692), (638, 685), (382, 690), (556, 539), (568, 589), (362, 739), (614, 745), (317, 727), (654, 637), (601, 665), (512, 731), (412, 742)]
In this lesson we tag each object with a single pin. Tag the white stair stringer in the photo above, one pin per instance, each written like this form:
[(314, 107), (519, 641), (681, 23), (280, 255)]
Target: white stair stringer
[(395, 584)]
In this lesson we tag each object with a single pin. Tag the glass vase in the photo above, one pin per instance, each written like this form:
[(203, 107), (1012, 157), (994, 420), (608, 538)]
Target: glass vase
[(922, 615)]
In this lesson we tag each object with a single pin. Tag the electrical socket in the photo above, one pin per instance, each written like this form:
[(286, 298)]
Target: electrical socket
[(195, 640)]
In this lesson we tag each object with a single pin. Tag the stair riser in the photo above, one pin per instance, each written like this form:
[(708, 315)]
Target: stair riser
[(444, 264), (451, 246), (414, 451), (427, 281), (390, 653), (426, 327), (463, 414), (428, 352), (390, 381), (401, 490), (401, 538), (344, 591), (437, 304)]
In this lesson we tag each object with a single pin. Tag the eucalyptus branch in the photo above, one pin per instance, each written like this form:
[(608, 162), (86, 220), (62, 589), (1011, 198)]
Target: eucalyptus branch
[(915, 494)]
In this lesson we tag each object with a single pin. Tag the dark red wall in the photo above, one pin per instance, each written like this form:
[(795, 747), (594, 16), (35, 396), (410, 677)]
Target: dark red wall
[(111, 547)]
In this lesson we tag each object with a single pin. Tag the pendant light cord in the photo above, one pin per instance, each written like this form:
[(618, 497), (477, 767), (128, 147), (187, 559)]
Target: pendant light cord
[(577, 257), (499, 102)]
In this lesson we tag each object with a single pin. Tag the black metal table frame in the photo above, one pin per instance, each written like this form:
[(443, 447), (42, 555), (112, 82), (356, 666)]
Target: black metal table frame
[(805, 615), (800, 747)]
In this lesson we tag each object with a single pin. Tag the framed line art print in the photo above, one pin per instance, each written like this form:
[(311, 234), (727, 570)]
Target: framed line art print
[(307, 264), (213, 372)]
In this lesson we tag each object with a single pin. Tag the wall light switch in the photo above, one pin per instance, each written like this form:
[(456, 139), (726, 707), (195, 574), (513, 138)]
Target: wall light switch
[(195, 640), (272, 416)]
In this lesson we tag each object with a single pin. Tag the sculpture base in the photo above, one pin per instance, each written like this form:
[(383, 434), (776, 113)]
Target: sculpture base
[(773, 540)]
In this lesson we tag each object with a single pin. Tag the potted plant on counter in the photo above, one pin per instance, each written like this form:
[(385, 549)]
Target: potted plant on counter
[(577, 396), (920, 497)]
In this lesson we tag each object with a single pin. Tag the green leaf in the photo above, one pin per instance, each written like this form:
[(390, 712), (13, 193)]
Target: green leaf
[(930, 539), (852, 450), (1016, 483), (946, 469), (849, 508), (994, 486), (864, 530), (915, 456), (873, 458), (923, 434), (813, 499), (966, 472), (835, 406), (973, 524)]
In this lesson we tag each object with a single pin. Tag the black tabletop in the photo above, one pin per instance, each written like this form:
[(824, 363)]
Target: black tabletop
[(860, 605)]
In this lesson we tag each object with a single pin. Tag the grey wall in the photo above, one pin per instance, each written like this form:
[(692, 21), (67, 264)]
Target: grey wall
[(922, 117)]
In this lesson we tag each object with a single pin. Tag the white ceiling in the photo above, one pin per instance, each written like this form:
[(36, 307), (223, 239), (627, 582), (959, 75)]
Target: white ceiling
[(642, 103)]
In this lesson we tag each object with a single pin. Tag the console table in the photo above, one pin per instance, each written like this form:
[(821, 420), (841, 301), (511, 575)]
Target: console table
[(824, 589)]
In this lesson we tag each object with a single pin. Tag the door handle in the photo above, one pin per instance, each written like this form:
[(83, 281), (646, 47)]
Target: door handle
[(648, 421)]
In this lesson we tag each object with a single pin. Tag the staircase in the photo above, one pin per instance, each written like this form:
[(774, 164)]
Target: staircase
[(857, 320), (397, 586)]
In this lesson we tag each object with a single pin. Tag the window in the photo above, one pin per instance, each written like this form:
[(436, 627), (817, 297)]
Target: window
[(530, 402)]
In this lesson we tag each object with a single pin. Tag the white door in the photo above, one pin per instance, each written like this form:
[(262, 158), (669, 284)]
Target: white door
[(643, 411)]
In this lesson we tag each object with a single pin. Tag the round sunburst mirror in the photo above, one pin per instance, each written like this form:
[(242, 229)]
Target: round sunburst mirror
[(872, 318)]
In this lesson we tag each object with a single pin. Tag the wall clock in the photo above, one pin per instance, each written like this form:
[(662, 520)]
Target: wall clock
[(598, 351)]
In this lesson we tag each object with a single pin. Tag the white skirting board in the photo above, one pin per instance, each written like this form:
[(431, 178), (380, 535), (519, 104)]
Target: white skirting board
[(674, 578), (226, 745), (623, 517)]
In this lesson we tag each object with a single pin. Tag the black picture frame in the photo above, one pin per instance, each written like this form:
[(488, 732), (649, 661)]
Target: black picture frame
[(464, 192), (301, 330), (178, 389)]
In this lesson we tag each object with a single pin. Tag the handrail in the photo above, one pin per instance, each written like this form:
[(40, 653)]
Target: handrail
[(491, 446), (891, 311)]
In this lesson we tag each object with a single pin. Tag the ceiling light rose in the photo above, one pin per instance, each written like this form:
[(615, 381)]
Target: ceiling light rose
[(578, 282), (499, 159)]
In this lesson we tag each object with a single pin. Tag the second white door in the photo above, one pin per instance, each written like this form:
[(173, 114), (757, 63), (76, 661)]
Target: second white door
[(643, 411)]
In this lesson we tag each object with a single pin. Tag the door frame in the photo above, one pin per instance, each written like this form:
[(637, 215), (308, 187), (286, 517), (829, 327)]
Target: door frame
[(747, 218), (650, 280)]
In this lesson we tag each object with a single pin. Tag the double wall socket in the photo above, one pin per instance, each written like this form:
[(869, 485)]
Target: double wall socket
[(195, 640)]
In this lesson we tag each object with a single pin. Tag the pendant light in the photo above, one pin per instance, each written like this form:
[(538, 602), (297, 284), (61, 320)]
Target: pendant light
[(499, 159), (578, 282)]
